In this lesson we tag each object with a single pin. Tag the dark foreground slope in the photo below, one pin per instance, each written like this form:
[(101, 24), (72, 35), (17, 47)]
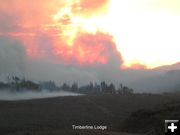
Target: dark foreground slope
[(55, 116), (152, 120)]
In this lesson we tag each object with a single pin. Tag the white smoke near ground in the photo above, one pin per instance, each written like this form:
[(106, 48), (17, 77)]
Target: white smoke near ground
[(28, 95)]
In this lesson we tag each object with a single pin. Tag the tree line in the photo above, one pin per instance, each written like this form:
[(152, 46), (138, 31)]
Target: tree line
[(17, 84), (95, 88)]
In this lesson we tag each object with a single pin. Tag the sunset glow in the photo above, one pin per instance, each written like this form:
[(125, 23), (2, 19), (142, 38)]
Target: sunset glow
[(144, 33)]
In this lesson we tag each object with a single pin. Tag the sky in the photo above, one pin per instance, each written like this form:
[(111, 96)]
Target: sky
[(88, 40)]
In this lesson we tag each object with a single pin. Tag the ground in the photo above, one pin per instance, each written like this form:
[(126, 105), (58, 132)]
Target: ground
[(55, 116)]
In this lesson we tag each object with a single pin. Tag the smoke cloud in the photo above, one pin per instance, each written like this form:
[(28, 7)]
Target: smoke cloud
[(12, 57), (35, 46), (9, 96)]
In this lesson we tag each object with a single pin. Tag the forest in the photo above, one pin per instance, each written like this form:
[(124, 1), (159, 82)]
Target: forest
[(17, 84)]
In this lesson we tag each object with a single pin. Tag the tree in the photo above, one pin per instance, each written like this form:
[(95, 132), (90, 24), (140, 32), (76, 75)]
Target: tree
[(103, 87), (65, 87), (112, 88), (97, 88), (74, 87)]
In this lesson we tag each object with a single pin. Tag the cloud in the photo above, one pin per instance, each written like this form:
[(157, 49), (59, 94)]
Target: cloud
[(43, 38), (46, 53), (89, 8), (14, 62), (35, 45), (88, 49), (12, 56), (171, 6)]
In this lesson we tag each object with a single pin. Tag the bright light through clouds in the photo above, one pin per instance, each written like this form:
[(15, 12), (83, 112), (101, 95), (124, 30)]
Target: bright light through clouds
[(145, 32)]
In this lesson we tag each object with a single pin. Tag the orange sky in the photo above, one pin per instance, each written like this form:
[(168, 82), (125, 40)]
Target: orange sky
[(142, 33)]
